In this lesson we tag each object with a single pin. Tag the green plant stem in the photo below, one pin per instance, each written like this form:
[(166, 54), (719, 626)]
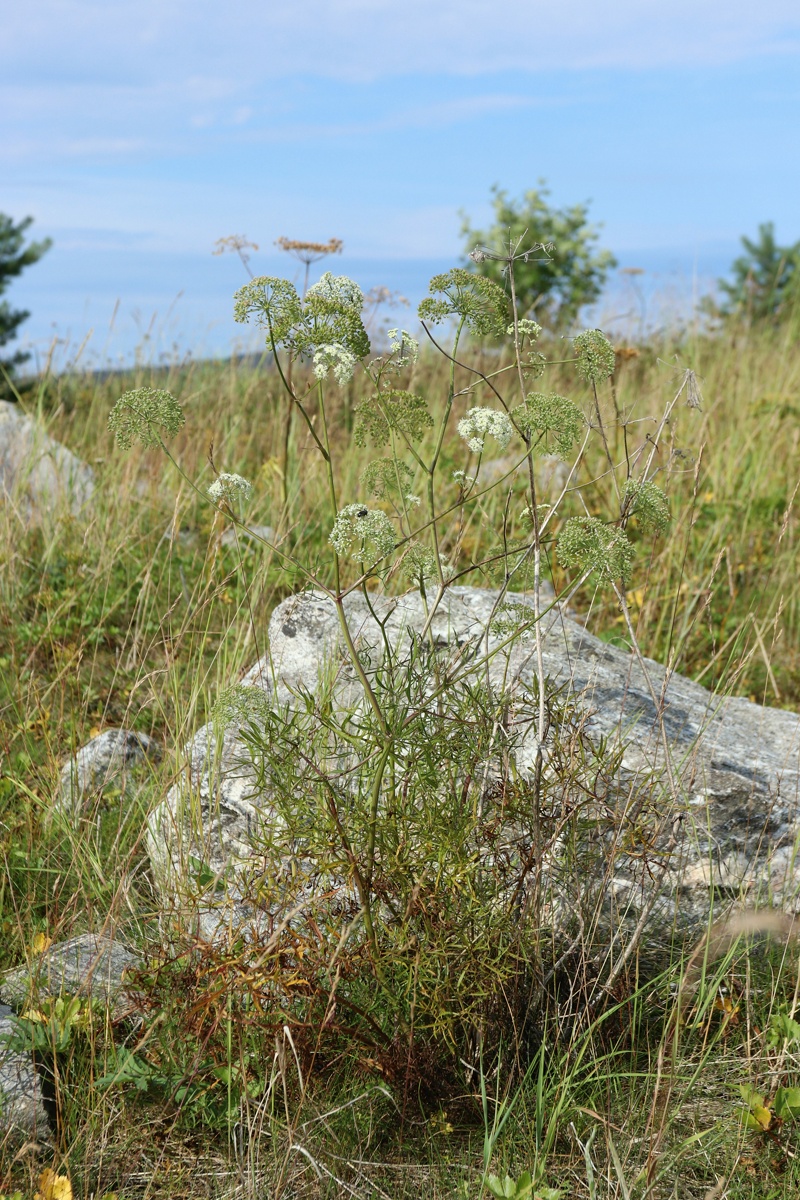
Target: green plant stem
[(432, 467), (537, 614), (353, 654)]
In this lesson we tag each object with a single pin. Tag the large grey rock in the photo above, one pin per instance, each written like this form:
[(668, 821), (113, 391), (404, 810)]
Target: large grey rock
[(22, 1109), (37, 473), (87, 965), (242, 534), (111, 758), (550, 472), (733, 819)]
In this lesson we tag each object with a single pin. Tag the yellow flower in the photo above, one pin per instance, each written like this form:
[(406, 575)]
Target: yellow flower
[(40, 943), (53, 1187)]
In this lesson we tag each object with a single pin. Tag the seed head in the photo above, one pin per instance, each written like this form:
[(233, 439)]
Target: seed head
[(394, 411), (141, 414), (419, 564), (511, 618), (388, 477), (480, 301), (241, 704), (552, 421), (272, 303), (645, 500), (596, 358), (589, 545)]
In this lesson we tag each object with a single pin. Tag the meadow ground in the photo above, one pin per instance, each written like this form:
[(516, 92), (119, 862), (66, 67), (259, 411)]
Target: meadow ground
[(138, 614)]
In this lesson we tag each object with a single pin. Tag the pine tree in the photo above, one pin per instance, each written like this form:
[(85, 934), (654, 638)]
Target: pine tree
[(766, 279), (15, 256)]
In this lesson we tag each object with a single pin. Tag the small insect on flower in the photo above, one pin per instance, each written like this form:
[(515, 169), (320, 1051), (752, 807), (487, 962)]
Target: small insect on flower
[(479, 423), (365, 534), (139, 415), (230, 487), (336, 357), (404, 347)]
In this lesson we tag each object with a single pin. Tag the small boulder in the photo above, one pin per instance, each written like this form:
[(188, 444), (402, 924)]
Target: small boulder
[(22, 1110), (253, 533), (37, 473), (87, 965), (110, 758)]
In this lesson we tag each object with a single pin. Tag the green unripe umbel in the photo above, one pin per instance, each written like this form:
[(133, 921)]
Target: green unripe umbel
[(596, 358)]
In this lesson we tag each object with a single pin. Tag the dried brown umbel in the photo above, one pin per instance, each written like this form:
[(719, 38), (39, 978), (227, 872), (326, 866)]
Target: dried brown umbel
[(317, 249), (309, 252), (237, 243)]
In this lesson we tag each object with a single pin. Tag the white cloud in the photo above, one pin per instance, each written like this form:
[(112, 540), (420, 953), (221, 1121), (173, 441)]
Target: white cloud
[(104, 121), (108, 212), (99, 79), (146, 41), (171, 82)]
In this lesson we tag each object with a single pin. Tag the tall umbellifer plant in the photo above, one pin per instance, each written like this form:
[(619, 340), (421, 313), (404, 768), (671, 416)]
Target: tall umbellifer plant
[(395, 798)]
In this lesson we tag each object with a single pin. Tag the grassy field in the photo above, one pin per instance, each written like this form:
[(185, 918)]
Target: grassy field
[(137, 615)]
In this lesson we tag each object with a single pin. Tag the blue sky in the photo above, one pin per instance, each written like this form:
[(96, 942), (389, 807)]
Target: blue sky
[(137, 133)]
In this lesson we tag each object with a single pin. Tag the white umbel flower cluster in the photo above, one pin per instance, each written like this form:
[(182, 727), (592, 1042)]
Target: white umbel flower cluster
[(363, 533), (403, 345), (463, 479), (336, 357), (230, 487), (479, 423), (337, 289), (526, 328)]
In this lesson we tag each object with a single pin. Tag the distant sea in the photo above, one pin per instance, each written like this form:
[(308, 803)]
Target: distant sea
[(107, 307)]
